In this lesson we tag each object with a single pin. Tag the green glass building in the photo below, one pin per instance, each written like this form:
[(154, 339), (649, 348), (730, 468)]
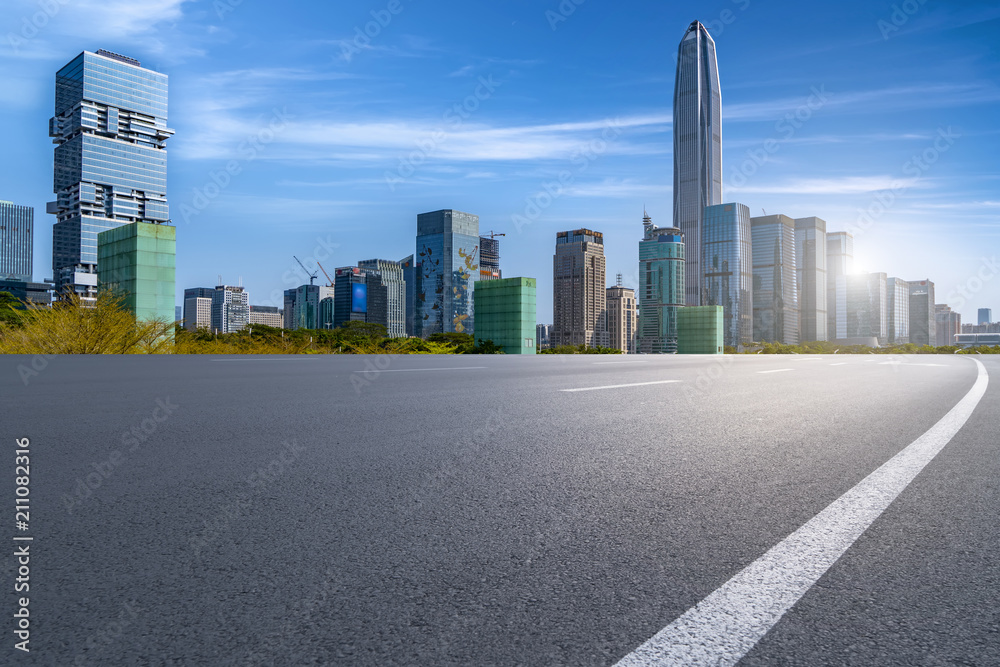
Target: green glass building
[(139, 260), (506, 313), (700, 330), (661, 287)]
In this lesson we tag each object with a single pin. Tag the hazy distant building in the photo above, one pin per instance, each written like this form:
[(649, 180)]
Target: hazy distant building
[(621, 318), (992, 327), (662, 255), (867, 313), (839, 263), (947, 324), (410, 282), (810, 263), (198, 308), (985, 316), (923, 329), (269, 316), (579, 303), (697, 130), (230, 309), (775, 289), (727, 269), (16, 242), (447, 265), (390, 274), (110, 131), (897, 294), (542, 335)]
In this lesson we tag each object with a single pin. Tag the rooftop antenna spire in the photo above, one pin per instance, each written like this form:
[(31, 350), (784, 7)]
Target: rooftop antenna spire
[(619, 280)]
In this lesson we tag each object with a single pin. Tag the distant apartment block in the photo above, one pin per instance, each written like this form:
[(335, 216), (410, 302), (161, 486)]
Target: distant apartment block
[(947, 324), (579, 303), (230, 309), (622, 318), (269, 316), (16, 242)]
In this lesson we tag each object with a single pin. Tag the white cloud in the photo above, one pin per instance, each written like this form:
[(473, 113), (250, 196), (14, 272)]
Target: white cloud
[(847, 185)]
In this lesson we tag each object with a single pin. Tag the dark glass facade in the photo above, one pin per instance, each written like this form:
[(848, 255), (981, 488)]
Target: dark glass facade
[(17, 227), (697, 145), (923, 327), (727, 269), (110, 130), (775, 292), (447, 265)]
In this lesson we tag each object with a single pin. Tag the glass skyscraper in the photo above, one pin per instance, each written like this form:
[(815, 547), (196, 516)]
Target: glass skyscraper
[(867, 313), (727, 269), (923, 327), (697, 146), (392, 282), (447, 265), (839, 263), (17, 225), (110, 131), (897, 294), (775, 293), (810, 264), (661, 287)]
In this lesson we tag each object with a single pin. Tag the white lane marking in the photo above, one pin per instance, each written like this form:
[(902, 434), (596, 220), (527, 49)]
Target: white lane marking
[(619, 386), (723, 627), (806, 358), (416, 370), (780, 370), (907, 363), (841, 363)]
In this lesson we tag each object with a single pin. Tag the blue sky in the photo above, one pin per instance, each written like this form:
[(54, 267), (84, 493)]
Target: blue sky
[(537, 116)]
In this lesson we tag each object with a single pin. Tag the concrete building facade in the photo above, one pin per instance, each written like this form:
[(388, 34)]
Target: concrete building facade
[(579, 303)]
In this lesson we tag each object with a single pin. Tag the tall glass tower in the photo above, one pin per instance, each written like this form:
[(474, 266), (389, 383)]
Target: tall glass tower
[(727, 269), (697, 146), (661, 287), (110, 131), (447, 266), (17, 230)]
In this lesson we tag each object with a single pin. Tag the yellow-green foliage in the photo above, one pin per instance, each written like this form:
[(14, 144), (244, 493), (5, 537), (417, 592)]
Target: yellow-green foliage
[(71, 327)]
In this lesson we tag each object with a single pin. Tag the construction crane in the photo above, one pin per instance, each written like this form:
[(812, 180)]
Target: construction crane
[(312, 276), (493, 234), (328, 278)]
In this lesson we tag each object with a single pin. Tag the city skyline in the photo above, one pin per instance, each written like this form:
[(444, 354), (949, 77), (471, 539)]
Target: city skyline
[(496, 161)]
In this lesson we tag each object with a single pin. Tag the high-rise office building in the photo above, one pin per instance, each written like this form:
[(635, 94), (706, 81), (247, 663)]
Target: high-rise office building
[(542, 332), (506, 314), (579, 296), (621, 318), (138, 261), (839, 263), (198, 308), (947, 324), (489, 258), (302, 307), (727, 269), (662, 256), (985, 316), (360, 295), (867, 313), (697, 146), (923, 329), (269, 316), (410, 280), (17, 226), (230, 309), (810, 266), (447, 265), (110, 131), (391, 275), (775, 289), (897, 294)]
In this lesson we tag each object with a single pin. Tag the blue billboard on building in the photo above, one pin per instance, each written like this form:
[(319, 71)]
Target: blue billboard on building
[(359, 298)]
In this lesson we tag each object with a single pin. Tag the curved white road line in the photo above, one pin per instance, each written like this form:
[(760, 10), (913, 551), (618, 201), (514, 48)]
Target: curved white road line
[(723, 627)]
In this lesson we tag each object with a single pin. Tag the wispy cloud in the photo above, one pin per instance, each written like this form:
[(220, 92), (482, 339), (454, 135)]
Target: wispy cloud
[(846, 185)]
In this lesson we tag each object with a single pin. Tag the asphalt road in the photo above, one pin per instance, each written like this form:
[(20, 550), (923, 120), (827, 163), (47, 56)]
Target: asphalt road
[(471, 511)]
